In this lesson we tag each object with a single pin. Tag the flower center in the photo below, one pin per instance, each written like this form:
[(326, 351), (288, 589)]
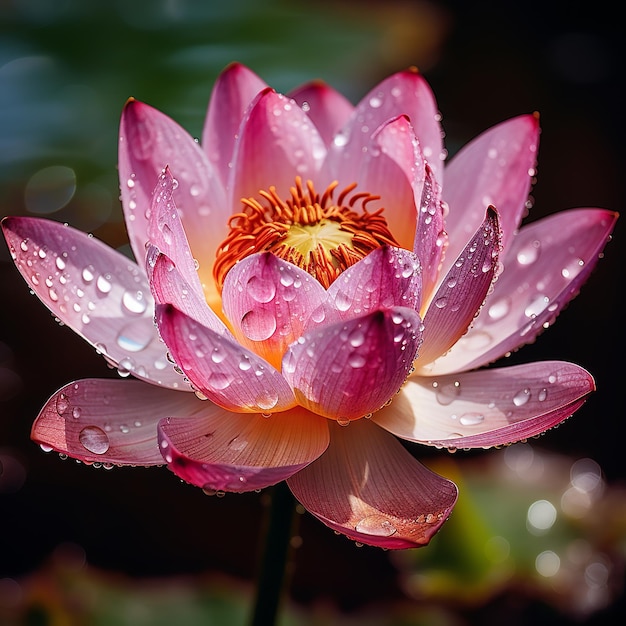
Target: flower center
[(314, 232)]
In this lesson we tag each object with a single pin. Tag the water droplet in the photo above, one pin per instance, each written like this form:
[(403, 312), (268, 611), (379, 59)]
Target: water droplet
[(448, 392), (219, 380), (521, 397), (260, 289), (94, 439), (529, 253), (377, 525), (471, 419), (62, 404), (342, 301), (134, 302), (343, 421), (103, 284), (267, 400), (536, 305), (135, 336), (573, 268), (499, 309), (258, 325), (356, 360)]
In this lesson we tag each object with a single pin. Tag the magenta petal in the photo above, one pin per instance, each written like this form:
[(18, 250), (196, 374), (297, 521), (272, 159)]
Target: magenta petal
[(221, 369), (385, 278), (487, 407), (99, 293), (368, 487), (109, 421), (234, 90), (544, 268), (278, 142), (495, 168), (150, 141), (349, 369), (223, 451), (270, 303), (462, 292), (328, 109)]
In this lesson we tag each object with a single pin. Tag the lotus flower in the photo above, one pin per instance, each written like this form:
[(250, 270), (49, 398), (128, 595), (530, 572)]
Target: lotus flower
[(322, 284)]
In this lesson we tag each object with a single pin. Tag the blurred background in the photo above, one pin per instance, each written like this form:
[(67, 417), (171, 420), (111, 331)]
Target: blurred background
[(539, 534)]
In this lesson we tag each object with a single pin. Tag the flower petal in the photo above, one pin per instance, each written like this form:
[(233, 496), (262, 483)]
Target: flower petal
[(368, 487), (405, 93), (328, 109), (232, 94), (271, 303), (96, 291), (110, 421), (239, 452), (487, 407), (351, 368), (544, 268), (150, 141), (385, 278), (462, 291), (224, 371), (277, 142), (495, 168)]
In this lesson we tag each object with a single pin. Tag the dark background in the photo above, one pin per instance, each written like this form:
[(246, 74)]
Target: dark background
[(60, 104)]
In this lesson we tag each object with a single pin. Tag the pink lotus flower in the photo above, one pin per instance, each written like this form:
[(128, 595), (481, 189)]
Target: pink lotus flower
[(316, 321)]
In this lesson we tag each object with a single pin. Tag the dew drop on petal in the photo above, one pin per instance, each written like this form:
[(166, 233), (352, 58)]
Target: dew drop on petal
[(135, 336), (134, 302), (447, 393), (529, 253), (260, 289), (103, 284), (258, 325), (219, 381), (376, 525), (471, 419), (94, 439), (267, 400), (521, 397)]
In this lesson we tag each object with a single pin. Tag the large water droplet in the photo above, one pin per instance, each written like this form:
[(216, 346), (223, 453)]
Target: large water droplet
[(135, 336), (258, 324), (134, 302), (94, 439), (377, 525), (260, 289), (267, 400), (448, 392), (219, 380), (521, 397)]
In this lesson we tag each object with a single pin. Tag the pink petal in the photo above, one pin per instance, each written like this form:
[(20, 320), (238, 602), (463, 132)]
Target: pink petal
[(385, 278), (431, 240), (277, 142), (166, 232), (404, 93), (368, 487), (169, 287), (271, 303), (544, 268), (232, 94), (462, 291), (238, 452), (487, 407), (496, 169), (225, 372), (96, 291), (328, 109), (110, 421), (393, 168), (150, 141), (349, 369)]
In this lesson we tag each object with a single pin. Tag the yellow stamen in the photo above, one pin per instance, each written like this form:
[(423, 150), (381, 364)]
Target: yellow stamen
[(311, 231)]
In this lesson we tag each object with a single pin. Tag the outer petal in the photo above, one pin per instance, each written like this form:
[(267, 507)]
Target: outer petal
[(239, 452), (277, 142), (328, 109), (98, 292), (385, 278), (404, 93), (224, 371), (487, 407), (271, 303), (349, 369), (232, 94), (110, 421), (462, 292), (368, 487), (495, 168), (544, 268), (149, 141)]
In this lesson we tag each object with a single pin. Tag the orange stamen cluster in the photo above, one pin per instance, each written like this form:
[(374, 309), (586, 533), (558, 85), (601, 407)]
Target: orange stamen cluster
[(311, 231)]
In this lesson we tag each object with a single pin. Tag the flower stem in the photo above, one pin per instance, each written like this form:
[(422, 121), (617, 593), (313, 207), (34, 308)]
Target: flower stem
[(271, 574)]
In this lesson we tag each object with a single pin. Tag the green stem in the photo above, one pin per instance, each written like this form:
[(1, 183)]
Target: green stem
[(271, 573)]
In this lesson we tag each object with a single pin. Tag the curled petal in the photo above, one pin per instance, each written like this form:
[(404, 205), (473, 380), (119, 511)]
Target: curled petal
[(487, 407), (271, 303), (277, 142), (221, 369), (234, 90), (368, 487), (385, 278), (495, 168), (110, 421), (349, 369), (99, 293), (150, 141), (544, 268), (328, 109), (223, 451), (462, 292)]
